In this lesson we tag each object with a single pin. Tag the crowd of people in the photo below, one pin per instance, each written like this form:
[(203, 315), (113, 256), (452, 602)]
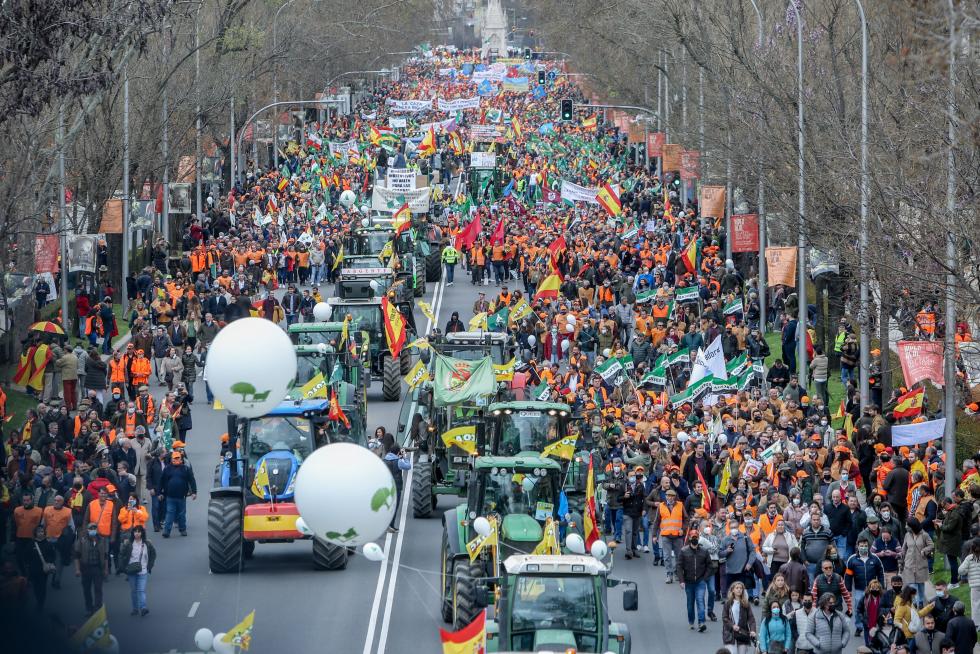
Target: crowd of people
[(793, 533)]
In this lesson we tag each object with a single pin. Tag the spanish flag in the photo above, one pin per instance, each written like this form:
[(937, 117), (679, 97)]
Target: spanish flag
[(283, 183), (590, 525), (462, 437), (456, 143), (562, 449), (402, 219), (910, 404), (590, 123), (335, 413), (394, 327), (548, 288), (608, 197), (471, 639), (690, 256), (428, 145), (516, 124), (30, 372), (841, 410)]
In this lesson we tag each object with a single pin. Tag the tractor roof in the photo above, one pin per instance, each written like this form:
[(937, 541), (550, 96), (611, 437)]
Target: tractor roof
[(291, 408), (476, 338), (303, 327), (565, 564), (528, 406), (529, 460)]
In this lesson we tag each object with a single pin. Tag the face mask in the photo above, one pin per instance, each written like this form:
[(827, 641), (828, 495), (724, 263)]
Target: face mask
[(796, 501), (93, 532), (632, 480), (863, 551), (707, 530), (132, 502), (131, 410), (889, 621), (77, 486), (886, 515), (776, 611), (808, 604), (823, 423), (694, 542), (843, 476), (616, 469)]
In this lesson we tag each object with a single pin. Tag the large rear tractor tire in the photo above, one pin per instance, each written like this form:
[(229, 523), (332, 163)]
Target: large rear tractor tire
[(391, 380), (423, 499), (404, 361), (225, 542), (420, 279), (327, 556), (433, 265), (465, 578), (446, 581)]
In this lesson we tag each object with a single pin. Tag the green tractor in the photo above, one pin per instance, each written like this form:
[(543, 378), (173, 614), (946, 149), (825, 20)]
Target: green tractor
[(370, 242), (521, 493), (431, 235), (242, 511), (321, 348), (342, 374), (557, 603)]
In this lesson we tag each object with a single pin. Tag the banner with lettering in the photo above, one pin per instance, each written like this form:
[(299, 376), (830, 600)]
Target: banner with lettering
[(781, 266), (921, 360), (712, 201), (745, 232)]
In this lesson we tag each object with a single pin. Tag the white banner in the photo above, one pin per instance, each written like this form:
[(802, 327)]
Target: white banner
[(397, 122), (459, 103), (449, 125), (483, 160), (491, 75), (918, 433), (447, 72), (388, 200), (575, 193), (490, 133), (710, 362), (409, 106), (970, 354), (342, 148), (401, 180)]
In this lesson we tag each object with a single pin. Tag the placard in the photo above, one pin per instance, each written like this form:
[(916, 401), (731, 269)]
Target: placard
[(712, 201), (655, 144), (397, 123), (46, 253), (401, 180), (672, 157), (745, 232), (690, 165), (483, 160), (781, 266)]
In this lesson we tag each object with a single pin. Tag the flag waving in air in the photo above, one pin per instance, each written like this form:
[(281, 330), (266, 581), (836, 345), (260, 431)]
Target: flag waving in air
[(394, 327), (471, 639), (402, 219), (910, 404), (428, 145), (462, 437), (240, 635), (608, 197), (690, 256), (591, 527), (336, 413), (548, 288), (563, 448)]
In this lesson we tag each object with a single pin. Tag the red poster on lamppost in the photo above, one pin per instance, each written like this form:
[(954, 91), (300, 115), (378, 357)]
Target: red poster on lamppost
[(46, 253), (690, 165), (655, 144), (745, 232)]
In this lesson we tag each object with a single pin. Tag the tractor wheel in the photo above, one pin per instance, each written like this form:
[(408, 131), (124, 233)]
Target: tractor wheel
[(327, 556), (404, 361), (465, 576), (445, 581), (391, 381), (225, 534), (420, 279), (248, 549), (433, 265), (423, 499)]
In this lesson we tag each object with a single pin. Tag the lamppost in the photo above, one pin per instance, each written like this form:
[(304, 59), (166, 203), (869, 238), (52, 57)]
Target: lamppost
[(865, 343), (801, 314), (760, 207)]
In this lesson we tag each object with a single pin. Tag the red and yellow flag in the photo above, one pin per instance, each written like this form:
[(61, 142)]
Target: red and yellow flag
[(394, 327), (548, 288), (910, 404), (30, 372), (608, 197), (516, 124), (428, 145), (590, 123), (841, 410), (335, 413), (471, 639), (690, 256), (589, 524), (402, 219)]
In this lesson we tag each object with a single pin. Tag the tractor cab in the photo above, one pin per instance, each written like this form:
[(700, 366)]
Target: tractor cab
[(526, 426), (476, 345)]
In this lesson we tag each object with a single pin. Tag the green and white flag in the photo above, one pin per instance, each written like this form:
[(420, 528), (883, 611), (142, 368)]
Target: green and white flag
[(541, 393), (746, 379), (738, 365), (759, 368), (735, 306), (627, 363), (457, 381), (724, 386), (609, 369), (687, 294), (630, 233), (646, 295), (656, 377), (682, 355), (693, 392)]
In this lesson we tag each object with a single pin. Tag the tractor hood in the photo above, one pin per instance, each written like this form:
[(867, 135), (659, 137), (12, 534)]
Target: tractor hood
[(521, 528), (553, 639)]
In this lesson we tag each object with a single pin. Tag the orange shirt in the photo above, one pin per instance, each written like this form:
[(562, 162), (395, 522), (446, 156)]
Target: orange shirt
[(56, 520), (26, 521)]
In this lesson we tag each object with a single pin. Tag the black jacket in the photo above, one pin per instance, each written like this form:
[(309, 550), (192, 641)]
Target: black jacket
[(963, 633), (693, 565), (178, 481), (154, 473), (634, 505)]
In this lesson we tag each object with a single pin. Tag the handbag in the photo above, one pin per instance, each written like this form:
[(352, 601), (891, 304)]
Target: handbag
[(915, 621), (136, 567)]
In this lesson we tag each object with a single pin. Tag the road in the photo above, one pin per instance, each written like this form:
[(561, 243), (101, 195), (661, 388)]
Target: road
[(368, 608)]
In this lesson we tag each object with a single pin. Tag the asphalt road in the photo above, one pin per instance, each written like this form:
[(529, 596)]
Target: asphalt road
[(368, 608)]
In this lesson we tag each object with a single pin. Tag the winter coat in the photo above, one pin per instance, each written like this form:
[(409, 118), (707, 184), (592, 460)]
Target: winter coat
[(189, 374), (160, 346), (96, 372), (828, 634), (693, 565), (970, 568), (172, 365), (126, 552), (917, 549), (774, 630), (767, 548), (737, 550), (67, 366), (746, 622), (949, 535)]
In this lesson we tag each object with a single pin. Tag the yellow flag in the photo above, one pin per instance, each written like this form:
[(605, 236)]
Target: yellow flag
[(385, 253), (505, 371), (549, 542), (479, 321), (463, 437), (520, 310), (316, 387), (417, 375), (344, 332), (338, 259), (427, 310), (476, 546), (420, 342), (260, 483), (562, 449), (848, 425), (94, 634), (241, 635)]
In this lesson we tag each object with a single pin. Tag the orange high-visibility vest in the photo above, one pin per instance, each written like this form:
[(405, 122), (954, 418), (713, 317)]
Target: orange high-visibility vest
[(671, 520), (101, 515), (766, 526), (117, 371), (140, 370), (135, 518)]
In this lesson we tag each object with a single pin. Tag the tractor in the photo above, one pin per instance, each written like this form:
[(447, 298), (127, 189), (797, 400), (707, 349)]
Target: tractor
[(342, 374), (556, 603), (432, 235), (520, 493), (244, 510), (360, 298), (370, 241)]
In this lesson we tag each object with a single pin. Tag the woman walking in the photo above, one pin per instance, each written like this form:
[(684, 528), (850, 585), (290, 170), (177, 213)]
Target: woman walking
[(970, 569), (776, 634), (917, 549), (140, 555), (738, 622), (40, 564)]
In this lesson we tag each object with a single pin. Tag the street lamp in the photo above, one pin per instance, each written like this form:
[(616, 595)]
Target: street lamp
[(275, 71), (865, 343), (801, 367)]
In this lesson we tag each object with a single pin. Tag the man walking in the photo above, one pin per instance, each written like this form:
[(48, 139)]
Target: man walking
[(671, 517), (450, 257), (829, 630), (92, 565), (693, 565), (176, 483)]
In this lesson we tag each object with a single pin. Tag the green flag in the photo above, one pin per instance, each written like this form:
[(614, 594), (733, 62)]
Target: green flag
[(609, 369), (498, 320), (457, 381), (686, 294)]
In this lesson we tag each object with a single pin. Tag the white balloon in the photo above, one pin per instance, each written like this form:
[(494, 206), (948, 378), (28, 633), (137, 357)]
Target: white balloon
[(347, 198), (345, 494), (364, 209), (321, 348), (203, 639), (606, 352), (373, 552), (302, 527), (531, 340), (365, 222), (375, 285), (575, 544), (565, 345), (221, 647), (250, 366), (322, 311), (482, 526), (570, 319), (527, 484), (599, 549), (570, 327)]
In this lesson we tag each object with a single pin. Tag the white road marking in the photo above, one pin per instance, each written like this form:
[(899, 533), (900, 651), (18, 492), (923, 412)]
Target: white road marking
[(399, 537), (193, 611)]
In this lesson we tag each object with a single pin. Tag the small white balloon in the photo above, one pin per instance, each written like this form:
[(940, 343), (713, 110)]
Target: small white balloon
[(599, 550), (365, 209), (375, 286), (345, 494), (531, 340), (373, 552), (113, 647), (321, 348), (575, 544), (365, 222), (347, 198), (606, 352), (527, 484), (250, 366), (570, 319), (203, 639), (220, 646), (565, 345), (482, 526), (570, 328), (302, 527), (322, 311)]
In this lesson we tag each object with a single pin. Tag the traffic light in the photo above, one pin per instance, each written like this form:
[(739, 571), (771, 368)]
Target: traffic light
[(566, 109), (527, 54), (676, 182), (540, 78)]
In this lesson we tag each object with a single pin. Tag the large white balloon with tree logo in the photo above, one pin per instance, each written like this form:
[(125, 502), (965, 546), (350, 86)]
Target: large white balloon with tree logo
[(250, 365), (345, 494)]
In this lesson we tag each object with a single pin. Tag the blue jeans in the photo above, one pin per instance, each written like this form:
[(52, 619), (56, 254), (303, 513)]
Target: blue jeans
[(614, 523), (841, 543), (158, 510), (695, 597), (137, 590), (450, 272), (856, 597), (208, 393), (846, 374), (176, 509), (712, 592)]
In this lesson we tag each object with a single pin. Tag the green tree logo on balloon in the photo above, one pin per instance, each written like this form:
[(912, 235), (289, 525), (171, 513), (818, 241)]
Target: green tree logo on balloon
[(346, 537), (248, 392), (383, 497)]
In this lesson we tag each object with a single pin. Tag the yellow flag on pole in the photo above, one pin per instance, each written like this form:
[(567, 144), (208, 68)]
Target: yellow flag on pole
[(316, 387), (479, 321), (241, 635), (462, 437), (417, 375), (427, 310), (549, 542), (476, 546), (562, 449), (505, 371)]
